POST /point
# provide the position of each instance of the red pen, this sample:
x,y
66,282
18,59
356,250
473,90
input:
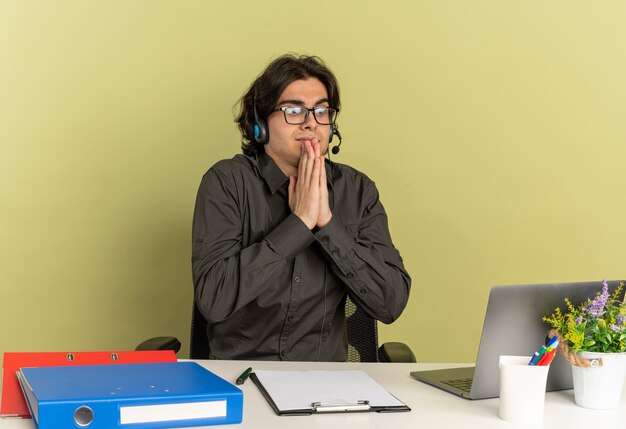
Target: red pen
x,y
547,358
551,358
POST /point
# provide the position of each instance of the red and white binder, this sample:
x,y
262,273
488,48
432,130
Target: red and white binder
x,y
13,403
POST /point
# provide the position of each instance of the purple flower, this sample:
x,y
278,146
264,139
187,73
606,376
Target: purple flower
x,y
620,319
578,320
616,328
596,307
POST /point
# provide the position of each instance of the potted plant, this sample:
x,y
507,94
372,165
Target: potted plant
x,y
593,338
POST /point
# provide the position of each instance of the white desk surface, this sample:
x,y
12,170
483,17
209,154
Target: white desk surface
x,y
431,407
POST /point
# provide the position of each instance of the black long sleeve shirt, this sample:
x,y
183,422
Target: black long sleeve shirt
x,y
272,289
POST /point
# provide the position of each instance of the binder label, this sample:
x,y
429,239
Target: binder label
x,y
172,412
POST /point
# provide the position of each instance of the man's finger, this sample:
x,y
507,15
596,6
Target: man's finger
x,y
322,181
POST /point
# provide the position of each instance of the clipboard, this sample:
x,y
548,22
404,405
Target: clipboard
x,y
292,393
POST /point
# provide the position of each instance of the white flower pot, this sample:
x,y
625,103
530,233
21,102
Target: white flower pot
x,y
600,387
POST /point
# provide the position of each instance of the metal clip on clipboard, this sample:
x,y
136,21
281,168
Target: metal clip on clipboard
x,y
336,407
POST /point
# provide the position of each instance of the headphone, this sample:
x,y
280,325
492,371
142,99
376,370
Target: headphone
x,y
334,130
262,134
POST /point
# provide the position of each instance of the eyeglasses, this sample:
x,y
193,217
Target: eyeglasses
x,y
297,115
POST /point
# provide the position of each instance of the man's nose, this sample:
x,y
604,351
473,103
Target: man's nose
x,y
310,123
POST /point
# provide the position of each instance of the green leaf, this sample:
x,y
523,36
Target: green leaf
x,y
588,342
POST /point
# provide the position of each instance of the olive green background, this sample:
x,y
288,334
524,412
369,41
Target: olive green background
x,y
495,131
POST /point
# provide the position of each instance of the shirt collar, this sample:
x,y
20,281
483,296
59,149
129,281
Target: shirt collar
x,y
271,173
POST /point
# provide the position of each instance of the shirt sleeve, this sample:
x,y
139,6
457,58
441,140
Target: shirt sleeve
x,y
226,275
364,258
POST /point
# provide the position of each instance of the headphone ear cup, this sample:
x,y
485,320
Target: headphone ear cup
x,y
260,131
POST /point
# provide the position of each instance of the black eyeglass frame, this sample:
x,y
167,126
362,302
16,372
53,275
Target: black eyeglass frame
x,y
306,115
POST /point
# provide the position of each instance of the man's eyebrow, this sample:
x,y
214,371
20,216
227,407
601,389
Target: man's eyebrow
x,y
301,103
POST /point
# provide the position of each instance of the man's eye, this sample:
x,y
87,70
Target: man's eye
x,y
321,111
294,110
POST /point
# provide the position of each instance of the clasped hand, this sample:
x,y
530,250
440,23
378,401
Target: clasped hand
x,y
308,192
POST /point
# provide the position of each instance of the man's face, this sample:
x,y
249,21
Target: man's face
x,y
286,139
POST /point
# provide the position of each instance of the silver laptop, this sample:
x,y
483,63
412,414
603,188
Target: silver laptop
x,y
513,326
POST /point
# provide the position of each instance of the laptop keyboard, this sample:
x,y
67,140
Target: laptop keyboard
x,y
464,384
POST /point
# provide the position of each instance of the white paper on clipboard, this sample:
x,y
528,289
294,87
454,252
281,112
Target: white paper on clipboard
x,y
298,390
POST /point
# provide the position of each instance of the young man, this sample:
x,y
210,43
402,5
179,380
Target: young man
x,y
281,235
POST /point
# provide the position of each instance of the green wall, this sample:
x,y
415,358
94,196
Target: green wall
x,y
495,131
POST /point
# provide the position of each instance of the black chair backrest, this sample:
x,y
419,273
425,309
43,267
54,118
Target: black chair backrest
x,y
361,329
362,334
198,342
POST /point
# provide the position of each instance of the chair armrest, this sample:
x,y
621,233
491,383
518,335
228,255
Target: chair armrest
x,y
396,352
160,343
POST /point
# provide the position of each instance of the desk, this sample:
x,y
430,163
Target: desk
x,y
431,407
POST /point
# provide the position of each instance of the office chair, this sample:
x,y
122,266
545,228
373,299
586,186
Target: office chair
x,y
363,339
361,329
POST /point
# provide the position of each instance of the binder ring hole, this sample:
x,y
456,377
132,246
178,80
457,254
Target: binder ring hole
x,y
83,416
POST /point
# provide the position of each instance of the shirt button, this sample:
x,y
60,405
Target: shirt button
x,y
296,279
363,290
350,275
324,239
289,318
283,353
